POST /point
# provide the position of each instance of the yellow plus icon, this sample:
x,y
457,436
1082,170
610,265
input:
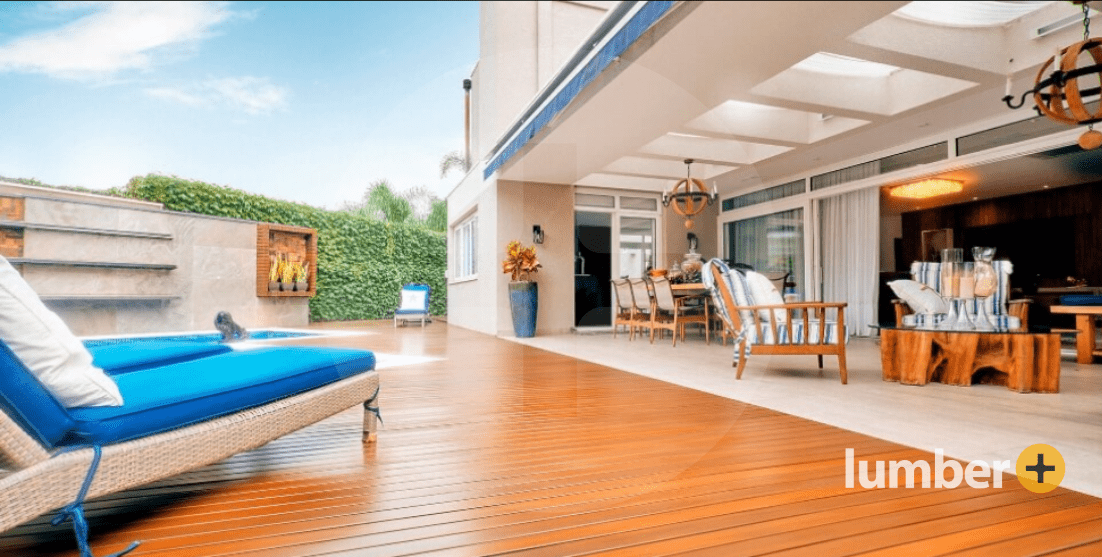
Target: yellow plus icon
x,y
1040,468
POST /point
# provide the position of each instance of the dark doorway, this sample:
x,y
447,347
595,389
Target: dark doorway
x,y
592,269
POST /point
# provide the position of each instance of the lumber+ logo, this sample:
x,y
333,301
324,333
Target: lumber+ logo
x,y
1040,468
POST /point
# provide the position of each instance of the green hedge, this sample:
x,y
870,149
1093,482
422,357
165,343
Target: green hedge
x,y
362,262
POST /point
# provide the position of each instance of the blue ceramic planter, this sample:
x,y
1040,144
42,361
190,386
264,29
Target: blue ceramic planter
x,y
524,301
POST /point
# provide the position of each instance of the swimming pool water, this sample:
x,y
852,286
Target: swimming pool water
x,y
208,337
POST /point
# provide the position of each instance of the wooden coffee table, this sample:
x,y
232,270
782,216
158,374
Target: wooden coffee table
x,y
1024,360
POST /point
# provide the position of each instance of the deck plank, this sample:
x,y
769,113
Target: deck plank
x,y
500,448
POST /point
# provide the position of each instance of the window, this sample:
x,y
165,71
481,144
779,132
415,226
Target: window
x,y
593,200
465,237
761,196
769,243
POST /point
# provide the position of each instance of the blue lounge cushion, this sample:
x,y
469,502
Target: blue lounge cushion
x,y
164,398
1080,300
118,358
29,404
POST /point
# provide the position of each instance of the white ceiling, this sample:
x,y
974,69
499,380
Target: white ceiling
x,y
760,91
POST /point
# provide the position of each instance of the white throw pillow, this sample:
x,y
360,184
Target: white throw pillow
x,y
765,293
46,346
413,300
920,297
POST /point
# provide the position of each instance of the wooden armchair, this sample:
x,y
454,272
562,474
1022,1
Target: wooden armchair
x,y
1009,313
805,329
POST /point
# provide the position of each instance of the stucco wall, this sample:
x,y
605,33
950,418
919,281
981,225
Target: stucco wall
x,y
520,206
472,303
214,259
522,45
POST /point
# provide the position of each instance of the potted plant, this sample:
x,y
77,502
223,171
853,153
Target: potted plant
x,y
287,276
302,273
273,273
520,264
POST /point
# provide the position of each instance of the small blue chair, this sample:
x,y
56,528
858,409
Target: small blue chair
x,y
415,304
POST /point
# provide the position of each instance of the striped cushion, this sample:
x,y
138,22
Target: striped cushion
x,y
798,334
931,320
929,273
739,287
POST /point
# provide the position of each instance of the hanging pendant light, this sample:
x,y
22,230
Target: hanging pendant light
x,y
1059,95
689,197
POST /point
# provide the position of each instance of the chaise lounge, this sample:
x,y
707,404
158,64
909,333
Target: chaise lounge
x,y
231,401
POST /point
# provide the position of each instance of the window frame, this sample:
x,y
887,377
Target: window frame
x,y
465,241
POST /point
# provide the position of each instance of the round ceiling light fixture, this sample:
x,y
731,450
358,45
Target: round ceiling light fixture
x,y
928,188
689,196
1059,96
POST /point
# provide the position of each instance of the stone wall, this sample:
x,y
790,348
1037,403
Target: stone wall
x,y
116,266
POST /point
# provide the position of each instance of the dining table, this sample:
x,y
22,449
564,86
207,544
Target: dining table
x,y
689,289
1085,345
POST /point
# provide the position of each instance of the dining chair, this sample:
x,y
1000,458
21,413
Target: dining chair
x,y
625,307
672,313
642,305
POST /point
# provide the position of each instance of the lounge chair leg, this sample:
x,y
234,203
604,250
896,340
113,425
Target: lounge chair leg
x,y
820,361
741,359
842,366
371,420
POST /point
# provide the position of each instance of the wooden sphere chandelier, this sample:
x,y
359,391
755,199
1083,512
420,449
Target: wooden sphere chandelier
x,y
1059,95
689,197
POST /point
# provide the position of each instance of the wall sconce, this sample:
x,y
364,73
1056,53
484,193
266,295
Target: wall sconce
x,y
537,234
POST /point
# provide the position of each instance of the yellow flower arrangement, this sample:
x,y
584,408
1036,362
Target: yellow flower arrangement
x,y
520,261
273,270
302,271
287,272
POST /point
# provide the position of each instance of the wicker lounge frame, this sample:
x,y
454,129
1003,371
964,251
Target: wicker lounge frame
x,y
34,481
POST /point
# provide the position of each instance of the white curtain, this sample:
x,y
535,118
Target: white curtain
x,y
850,239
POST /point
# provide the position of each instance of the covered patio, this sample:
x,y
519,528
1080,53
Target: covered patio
x,y
491,446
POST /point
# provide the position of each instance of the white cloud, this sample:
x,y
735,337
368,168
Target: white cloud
x,y
176,95
254,95
114,36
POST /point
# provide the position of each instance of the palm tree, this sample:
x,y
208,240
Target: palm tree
x,y
453,160
380,202
437,218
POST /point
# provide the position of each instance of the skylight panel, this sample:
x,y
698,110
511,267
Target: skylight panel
x,y
967,14
836,64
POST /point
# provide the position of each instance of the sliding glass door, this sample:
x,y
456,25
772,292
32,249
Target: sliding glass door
x,y
769,243
636,246
614,236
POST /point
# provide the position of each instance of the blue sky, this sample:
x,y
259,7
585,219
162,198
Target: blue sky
x,y
306,101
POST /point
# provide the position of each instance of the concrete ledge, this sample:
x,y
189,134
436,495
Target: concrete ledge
x,y
82,230
96,264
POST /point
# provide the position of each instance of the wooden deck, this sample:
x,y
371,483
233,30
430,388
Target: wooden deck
x,y
501,448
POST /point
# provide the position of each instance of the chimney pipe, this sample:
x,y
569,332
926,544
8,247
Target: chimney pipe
x,y
467,125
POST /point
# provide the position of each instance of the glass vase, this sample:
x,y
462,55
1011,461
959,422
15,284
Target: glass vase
x,y
986,282
965,297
